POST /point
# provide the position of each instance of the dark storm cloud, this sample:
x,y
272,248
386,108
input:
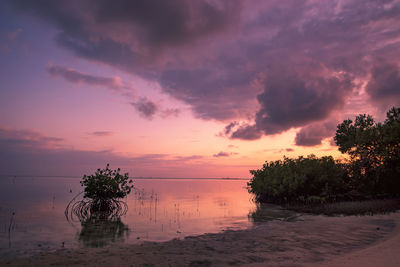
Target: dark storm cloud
x,y
165,22
384,85
126,32
293,99
312,135
145,107
221,57
77,77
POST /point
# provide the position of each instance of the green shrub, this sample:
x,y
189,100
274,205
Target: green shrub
x,y
305,179
106,184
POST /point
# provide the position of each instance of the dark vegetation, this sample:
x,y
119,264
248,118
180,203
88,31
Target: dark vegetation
x,y
102,193
371,172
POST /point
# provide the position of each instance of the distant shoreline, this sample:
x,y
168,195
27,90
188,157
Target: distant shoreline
x,y
134,178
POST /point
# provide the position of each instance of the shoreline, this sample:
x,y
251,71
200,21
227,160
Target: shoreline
x,y
308,241
384,252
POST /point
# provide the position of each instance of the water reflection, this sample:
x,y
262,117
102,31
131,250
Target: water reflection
x,y
159,211
101,222
98,232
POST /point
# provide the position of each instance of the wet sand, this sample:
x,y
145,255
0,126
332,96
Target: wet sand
x,y
306,241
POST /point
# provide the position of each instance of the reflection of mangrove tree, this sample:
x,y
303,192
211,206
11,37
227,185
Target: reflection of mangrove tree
x,y
372,171
100,232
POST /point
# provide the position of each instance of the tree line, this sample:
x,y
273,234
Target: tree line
x,y
372,170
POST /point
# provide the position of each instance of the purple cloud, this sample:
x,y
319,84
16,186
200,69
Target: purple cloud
x,y
271,65
24,152
224,154
28,139
384,85
101,133
77,77
313,134
170,112
247,132
221,154
145,107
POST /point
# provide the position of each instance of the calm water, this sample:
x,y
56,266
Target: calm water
x,y
32,213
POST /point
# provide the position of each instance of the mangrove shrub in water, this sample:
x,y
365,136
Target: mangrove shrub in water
x,y
102,191
105,187
106,184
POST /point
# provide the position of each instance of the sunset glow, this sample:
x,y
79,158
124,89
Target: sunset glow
x,y
193,89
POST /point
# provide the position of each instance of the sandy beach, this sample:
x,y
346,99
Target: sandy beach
x,y
385,252
305,241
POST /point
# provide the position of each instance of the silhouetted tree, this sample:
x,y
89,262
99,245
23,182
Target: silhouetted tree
x,y
374,149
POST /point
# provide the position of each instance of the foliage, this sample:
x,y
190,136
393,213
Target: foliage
x,y
373,170
374,149
106,184
305,179
100,201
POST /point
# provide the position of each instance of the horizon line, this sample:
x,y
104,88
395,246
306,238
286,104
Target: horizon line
x,y
138,178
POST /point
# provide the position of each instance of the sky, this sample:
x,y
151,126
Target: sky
x,y
178,88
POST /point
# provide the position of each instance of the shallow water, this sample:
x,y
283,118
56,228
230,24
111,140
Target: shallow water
x,y
32,213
